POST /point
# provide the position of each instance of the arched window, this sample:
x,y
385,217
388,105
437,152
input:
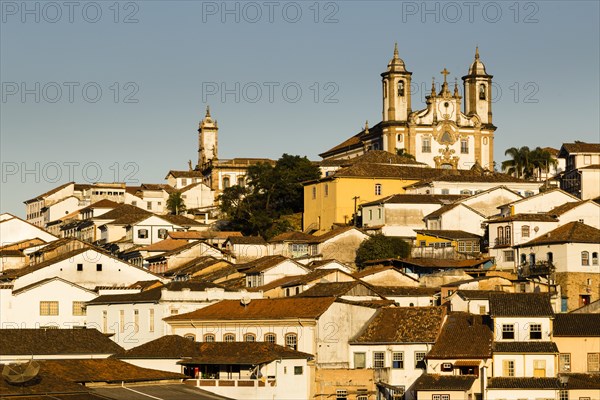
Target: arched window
x,y
500,238
465,191
190,336
209,338
291,341
249,337
594,258
384,89
507,234
226,182
401,88
482,92
270,338
525,231
229,337
531,259
240,181
585,258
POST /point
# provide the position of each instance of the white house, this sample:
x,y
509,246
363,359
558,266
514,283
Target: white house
x,y
457,216
137,318
14,229
396,340
582,171
270,268
539,203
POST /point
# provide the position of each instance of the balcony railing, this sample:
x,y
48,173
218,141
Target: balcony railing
x,y
234,382
503,241
537,269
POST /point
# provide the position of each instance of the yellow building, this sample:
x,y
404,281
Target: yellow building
x,y
461,241
334,199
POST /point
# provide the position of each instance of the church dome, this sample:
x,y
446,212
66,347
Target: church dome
x,y
477,67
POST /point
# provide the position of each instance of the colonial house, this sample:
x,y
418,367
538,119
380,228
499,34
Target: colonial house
x,y
242,249
582,171
315,325
402,214
523,326
457,216
386,275
539,203
410,296
569,254
394,344
296,284
577,337
340,244
293,245
235,369
486,202
267,269
461,242
137,317
459,359
181,256
14,229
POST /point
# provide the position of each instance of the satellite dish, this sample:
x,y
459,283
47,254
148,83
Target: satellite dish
x,y
245,301
18,373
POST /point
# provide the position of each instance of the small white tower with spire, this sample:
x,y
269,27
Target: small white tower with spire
x,y
396,90
208,134
478,91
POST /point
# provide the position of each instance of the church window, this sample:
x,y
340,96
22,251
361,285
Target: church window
x,y
240,181
377,189
482,92
426,145
401,88
385,89
226,182
400,138
464,146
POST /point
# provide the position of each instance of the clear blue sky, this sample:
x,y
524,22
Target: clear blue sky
x,y
171,57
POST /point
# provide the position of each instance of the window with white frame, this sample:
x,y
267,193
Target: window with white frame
x,y
525,231
509,255
360,360
594,258
426,145
564,362
420,359
378,189
508,331
142,234
464,146
378,359
79,308
48,307
209,338
229,337
270,338
440,397
249,337
535,331
593,362
563,395
585,258
508,368
398,360
162,233
291,341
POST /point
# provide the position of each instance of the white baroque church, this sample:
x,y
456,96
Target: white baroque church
x,y
441,135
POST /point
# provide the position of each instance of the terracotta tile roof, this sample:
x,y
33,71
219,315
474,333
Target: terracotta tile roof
x,y
276,283
180,220
406,291
313,276
560,210
174,346
179,250
165,245
194,266
525,347
417,199
541,217
523,383
292,237
256,240
375,269
593,166
583,381
15,273
262,264
121,211
104,203
336,289
402,325
44,281
153,295
372,157
55,342
108,370
185,174
198,235
474,294
579,147
49,192
442,263
445,208
467,176
572,232
281,308
449,234
333,233
354,141
387,171
520,305
463,336
579,324
444,382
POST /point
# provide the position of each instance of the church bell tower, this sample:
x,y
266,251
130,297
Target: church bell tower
x,y
478,91
208,133
396,90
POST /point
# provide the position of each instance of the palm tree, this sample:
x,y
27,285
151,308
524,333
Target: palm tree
x,y
176,203
519,164
542,160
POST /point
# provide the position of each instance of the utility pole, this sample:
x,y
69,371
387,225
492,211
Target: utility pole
x,y
355,208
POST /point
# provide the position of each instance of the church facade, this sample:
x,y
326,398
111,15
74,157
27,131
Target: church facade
x,y
442,135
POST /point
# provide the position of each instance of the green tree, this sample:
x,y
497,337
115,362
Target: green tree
x,y
176,203
518,165
270,192
404,153
541,161
379,247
